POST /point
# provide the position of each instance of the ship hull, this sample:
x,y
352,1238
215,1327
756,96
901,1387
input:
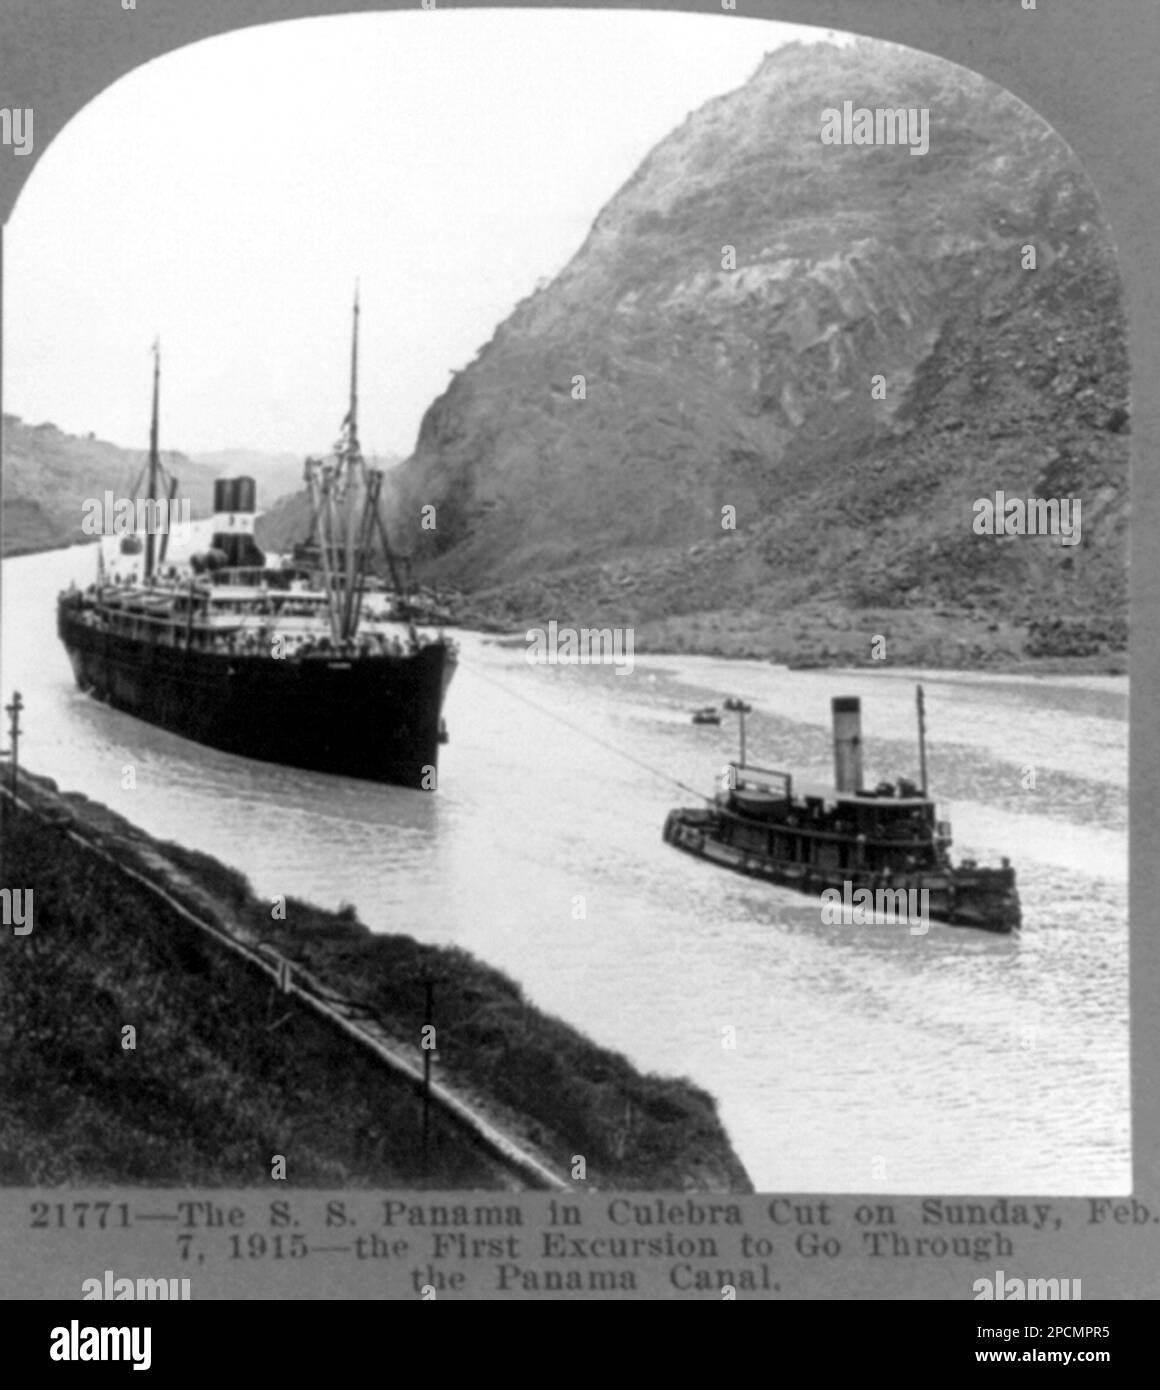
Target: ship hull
x,y
375,717
960,897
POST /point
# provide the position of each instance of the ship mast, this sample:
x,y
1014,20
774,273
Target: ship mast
x,y
154,462
921,706
352,461
344,496
351,421
336,491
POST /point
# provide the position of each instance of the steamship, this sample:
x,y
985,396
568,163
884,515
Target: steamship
x,y
846,837
313,662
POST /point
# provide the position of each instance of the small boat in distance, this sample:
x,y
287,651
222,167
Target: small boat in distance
x,y
846,842
707,714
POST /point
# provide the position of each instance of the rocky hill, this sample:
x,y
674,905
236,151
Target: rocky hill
x,y
708,387
47,475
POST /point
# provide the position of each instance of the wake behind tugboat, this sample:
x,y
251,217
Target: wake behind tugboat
x,y
313,663
883,846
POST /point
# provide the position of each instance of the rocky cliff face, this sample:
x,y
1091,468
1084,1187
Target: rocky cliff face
x,y
708,387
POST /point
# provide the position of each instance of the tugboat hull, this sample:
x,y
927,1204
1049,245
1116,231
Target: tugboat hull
x,y
372,717
960,897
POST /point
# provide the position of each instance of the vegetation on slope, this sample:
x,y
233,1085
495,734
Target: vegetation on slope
x,y
227,1074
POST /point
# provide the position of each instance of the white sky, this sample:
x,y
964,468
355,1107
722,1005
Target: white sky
x,y
227,195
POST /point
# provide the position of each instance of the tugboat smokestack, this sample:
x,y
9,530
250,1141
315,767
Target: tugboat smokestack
x,y
847,712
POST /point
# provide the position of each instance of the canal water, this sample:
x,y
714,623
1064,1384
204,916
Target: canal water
x,y
843,1058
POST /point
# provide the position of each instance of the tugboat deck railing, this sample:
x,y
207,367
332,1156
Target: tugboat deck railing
x,y
807,832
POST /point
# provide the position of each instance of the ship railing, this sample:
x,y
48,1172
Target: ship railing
x,y
806,831
237,639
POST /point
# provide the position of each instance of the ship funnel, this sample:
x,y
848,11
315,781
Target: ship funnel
x,y
847,711
234,503
245,495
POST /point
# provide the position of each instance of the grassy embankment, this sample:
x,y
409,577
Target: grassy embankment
x,y
226,1072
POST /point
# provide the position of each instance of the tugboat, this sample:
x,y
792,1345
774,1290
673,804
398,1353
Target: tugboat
x,y
315,665
846,838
